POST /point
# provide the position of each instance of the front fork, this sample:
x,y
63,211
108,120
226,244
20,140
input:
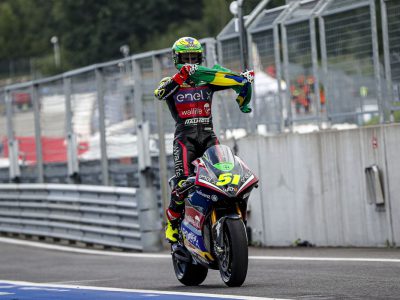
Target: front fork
x,y
214,214
218,228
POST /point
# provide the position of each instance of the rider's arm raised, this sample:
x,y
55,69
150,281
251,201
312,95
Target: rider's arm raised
x,y
168,85
166,88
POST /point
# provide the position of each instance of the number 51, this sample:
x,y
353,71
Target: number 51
x,y
227,178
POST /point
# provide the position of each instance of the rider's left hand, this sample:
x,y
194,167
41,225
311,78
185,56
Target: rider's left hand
x,y
249,75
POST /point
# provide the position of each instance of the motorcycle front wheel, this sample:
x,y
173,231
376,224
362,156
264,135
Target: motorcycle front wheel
x,y
188,273
233,261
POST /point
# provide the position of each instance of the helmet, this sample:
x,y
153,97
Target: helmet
x,y
187,45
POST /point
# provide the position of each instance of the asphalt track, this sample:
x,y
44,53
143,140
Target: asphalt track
x,y
30,272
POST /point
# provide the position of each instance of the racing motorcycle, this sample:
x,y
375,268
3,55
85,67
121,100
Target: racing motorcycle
x,y
212,234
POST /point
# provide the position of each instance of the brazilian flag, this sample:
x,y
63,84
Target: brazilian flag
x,y
221,76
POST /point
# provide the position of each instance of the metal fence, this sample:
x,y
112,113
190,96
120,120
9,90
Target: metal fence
x,y
266,57
352,67
300,62
390,13
327,53
317,63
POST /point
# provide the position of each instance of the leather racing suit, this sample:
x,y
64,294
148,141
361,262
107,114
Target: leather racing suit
x,y
190,106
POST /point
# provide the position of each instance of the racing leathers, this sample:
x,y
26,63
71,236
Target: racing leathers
x,y
190,106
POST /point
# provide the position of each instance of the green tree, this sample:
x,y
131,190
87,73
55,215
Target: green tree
x,y
105,25
25,30
91,31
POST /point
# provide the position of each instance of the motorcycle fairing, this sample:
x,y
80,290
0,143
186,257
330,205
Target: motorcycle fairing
x,y
220,176
223,172
196,208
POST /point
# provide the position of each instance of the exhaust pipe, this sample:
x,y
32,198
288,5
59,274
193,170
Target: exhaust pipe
x,y
181,254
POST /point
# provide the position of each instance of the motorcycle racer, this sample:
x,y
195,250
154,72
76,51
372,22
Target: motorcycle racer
x,y
190,106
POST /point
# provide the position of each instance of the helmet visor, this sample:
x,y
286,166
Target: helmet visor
x,y
190,58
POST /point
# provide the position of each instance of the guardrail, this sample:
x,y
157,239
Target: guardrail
x,y
106,216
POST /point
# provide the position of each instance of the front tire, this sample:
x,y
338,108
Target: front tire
x,y
188,273
234,260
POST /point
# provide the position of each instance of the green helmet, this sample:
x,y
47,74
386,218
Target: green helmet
x,y
187,45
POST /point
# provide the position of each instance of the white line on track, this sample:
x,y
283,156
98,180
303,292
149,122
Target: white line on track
x,y
95,288
153,255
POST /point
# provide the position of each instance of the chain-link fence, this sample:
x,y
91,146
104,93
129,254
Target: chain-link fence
x,y
316,61
350,57
52,118
390,11
300,62
13,69
228,46
263,36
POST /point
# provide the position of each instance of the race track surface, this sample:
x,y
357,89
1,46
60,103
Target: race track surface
x,y
287,273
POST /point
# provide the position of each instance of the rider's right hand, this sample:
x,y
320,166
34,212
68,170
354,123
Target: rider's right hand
x,y
184,73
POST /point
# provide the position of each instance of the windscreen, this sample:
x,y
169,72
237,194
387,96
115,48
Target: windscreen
x,y
224,172
220,157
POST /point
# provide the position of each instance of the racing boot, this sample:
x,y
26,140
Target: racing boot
x,y
173,222
175,210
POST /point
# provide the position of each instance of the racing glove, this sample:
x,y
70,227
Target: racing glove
x,y
244,97
184,73
249,75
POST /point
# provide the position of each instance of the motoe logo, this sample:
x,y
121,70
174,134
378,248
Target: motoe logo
x,y
193,94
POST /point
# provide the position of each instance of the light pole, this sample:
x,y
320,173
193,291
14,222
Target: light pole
x,y
124,50
236,8
56,47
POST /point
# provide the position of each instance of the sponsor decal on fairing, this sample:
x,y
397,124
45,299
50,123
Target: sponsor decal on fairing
x,y
194,217
246,183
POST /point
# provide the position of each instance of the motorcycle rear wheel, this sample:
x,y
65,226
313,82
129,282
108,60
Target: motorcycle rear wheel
x,y
188,273
233,262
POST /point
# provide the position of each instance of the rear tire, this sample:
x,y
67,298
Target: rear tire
x,y
234,261
188,273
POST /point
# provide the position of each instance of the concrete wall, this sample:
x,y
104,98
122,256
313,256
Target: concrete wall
x,y
313,187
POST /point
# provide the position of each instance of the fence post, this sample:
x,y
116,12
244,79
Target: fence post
x,y
38,132
289,120
73,166
386,55
102,125
278,65
149,216
278,68
242,37
285,51
377,69
14,169
324,64
162,156
211,60
314,58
